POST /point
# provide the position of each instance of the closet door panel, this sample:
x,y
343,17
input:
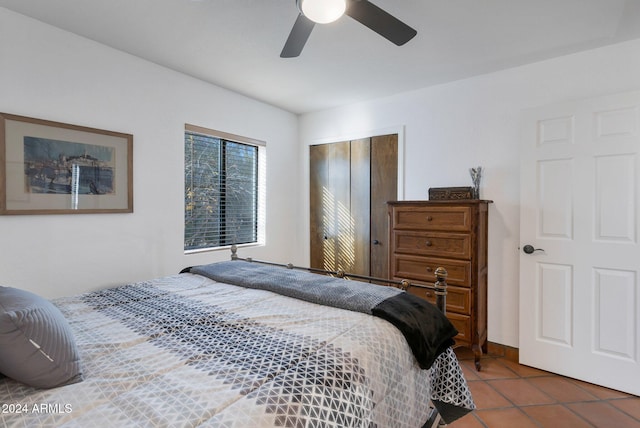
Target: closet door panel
x,y
329,203
337,199
360,207
384,188
318,178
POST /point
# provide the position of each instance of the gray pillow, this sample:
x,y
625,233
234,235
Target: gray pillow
x,y
36,343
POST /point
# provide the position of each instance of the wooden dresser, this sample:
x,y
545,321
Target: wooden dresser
x,y
453,234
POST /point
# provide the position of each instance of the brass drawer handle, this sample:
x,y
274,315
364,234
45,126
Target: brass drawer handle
x,y
428,243
429,218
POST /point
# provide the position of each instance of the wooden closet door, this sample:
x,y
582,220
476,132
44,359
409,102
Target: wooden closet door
x,y
329,204
384,188
317,179
350,184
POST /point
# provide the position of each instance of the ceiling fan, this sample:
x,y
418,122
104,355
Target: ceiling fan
x,y
325,11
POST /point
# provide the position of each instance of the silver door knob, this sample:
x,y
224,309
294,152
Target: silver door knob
x,y
528,249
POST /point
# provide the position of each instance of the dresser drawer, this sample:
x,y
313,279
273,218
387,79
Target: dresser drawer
x,y
446,218
456,245
458,298
462,323
423,268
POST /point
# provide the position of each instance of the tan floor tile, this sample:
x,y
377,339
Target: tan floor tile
x,y
554,416
505,418
523,371
562,389
603,415
521,392
630,406
486,397
600,391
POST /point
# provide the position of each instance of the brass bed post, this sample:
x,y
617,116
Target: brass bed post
x,y
441,289
234,252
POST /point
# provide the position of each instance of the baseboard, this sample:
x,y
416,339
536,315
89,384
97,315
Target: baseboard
x,y
499,350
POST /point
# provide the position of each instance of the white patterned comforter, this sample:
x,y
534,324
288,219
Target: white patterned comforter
x,y
185,351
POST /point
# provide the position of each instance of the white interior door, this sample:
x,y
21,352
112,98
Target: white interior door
x,y
579,293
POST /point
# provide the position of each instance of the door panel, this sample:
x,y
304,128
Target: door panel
x,y
317,178
360,210
615,209
615,313
555,303
330,200
580,189
555,202
384,188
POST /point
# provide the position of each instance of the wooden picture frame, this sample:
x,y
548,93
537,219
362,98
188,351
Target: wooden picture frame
x,y
50,167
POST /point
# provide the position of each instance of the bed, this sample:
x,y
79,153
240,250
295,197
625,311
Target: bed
x,y
237,344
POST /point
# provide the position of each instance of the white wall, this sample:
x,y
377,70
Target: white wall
x,y
51,74
452,127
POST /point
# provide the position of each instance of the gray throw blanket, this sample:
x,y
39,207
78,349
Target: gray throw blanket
x,y
324,290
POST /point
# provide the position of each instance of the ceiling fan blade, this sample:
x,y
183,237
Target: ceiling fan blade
x,y
297,37
381,22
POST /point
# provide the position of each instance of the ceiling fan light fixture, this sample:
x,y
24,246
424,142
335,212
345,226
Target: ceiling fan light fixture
x,y
322,11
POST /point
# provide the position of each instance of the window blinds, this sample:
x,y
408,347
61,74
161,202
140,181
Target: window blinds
x,y
221,192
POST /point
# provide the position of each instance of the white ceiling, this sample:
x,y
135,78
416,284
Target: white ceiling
x,y
236,44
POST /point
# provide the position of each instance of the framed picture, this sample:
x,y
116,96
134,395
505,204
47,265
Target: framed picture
x,y
56,168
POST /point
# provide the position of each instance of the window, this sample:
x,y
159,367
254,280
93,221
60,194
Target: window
x,y
223,201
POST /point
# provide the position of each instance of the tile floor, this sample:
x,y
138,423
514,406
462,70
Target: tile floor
x,y
514,396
